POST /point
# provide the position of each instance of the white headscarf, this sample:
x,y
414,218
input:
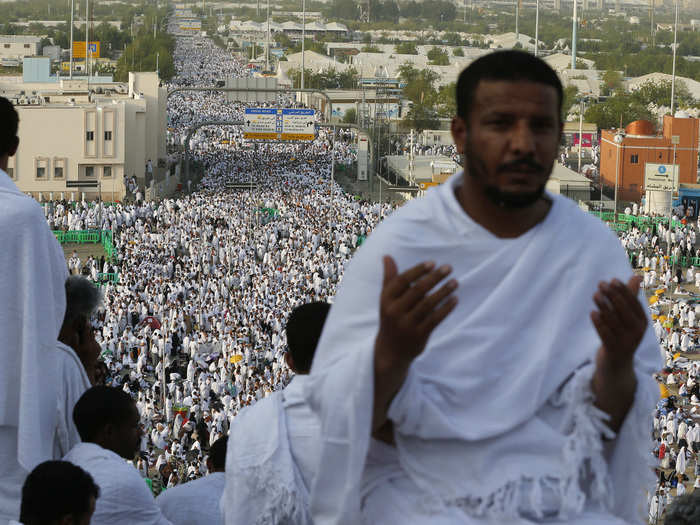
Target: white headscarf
x,y
32,294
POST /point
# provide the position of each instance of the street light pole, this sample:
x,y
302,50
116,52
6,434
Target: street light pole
x,y
618,144
580,133
303,39
673,73
72,12
537,27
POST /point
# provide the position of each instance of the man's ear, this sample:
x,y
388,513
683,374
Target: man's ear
x,y
290,361
458,128
13,148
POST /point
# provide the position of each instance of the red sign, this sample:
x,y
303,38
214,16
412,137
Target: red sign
x,y
587,140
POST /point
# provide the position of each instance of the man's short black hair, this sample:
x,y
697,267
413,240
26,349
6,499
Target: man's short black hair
x,y
99,406
685,510
9,122
303,329
55,489
506,66
217,453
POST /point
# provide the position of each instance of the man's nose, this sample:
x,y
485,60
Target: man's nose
x,y
522,139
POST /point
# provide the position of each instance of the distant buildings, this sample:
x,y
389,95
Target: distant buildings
x,y
72,131
639,145
13,48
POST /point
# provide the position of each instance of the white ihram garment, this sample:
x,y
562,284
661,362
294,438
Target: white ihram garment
x,y
264,482
195,502
33,303
484,429
125,499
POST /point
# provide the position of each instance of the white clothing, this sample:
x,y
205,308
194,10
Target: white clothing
x,y
303,428
491,446
74,383
32,295
263,483
124,496
195,502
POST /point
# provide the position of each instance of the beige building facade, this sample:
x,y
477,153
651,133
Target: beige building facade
x,y
16,47
98,135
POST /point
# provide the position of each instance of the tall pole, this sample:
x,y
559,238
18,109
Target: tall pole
x,y
673,73
267,45
517,20
651,16
617,173
580,133
72,13
573,37
537,27
303,39
87,40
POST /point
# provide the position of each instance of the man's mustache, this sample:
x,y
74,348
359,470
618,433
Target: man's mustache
x,y
526,165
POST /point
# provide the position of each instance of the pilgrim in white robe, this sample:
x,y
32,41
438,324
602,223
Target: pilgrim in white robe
x,y
33,303
269,469
125,499
74,382
195,502
495,418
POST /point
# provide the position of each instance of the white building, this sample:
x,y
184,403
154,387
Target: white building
x,y
16,47
71,133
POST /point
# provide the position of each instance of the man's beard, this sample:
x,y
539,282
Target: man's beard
x,y
504,199
510,200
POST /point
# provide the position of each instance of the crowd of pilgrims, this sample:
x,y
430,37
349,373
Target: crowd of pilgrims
x,y
207,280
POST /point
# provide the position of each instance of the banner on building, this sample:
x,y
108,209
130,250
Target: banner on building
x,y
79,49
660,177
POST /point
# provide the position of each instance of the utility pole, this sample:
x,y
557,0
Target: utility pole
x,y
303,39
537,27
517,20
267,45
673,73
87,41
72,12
573,37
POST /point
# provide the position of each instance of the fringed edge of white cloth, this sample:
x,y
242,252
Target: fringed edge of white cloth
x,y
583,462
283,504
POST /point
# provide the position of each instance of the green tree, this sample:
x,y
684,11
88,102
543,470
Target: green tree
x,y
421,117
346,9
371,49
350,116
611,82
458,52
406,48
420,84
570,94
618,110
438,57
660,93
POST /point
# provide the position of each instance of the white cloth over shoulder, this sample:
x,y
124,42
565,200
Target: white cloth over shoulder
x,y
73,384
33,298
520,330
195,502
263,484
124,496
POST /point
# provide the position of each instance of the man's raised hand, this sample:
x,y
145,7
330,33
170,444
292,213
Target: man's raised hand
x,y
409,312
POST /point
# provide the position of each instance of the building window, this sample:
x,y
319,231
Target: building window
x,y
58,172
634,159
7,46
107,171
89,135
89,171
108,135
41,172
26,46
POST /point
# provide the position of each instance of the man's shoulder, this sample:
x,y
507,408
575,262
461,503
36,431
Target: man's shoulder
x,y
197,487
